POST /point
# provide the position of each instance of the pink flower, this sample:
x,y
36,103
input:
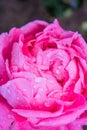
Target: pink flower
x,y
43,78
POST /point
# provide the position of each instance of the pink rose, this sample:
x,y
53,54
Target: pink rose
x,y
43,78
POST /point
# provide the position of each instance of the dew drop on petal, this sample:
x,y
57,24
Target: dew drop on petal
x,y
57,72
37,80
9,116
35,86
25,89
41,89
9,91
33,103
47,104
18,98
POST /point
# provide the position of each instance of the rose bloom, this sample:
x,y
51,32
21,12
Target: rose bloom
x,y
43,78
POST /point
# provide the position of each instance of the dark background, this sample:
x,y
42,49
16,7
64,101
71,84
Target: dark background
x,y
19,12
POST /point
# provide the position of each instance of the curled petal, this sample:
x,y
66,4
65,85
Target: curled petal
x,y
33,27
39,114
61,120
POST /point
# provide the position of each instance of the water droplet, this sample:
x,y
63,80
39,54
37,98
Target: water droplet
x,y
35,86
18,98
33,102
47,103
8,91
25,89
41,89
57,72
38,80
9,116
71,69
38,96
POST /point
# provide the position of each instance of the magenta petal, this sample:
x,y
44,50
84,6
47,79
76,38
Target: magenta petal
x,y
17,92
6,116
61,120
39,114
74,127
21,125
4,54
34,27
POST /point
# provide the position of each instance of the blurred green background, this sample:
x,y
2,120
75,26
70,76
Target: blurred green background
x,y
72,14
62,8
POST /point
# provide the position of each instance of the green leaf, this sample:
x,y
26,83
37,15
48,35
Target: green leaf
x,y
84,26
56,8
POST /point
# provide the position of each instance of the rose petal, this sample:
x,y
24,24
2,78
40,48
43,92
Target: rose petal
x,y
73,101
73,75
81,45
54,29
39,114
17,92
61,120
33,27
4,49
3,74
17,58
73,126
6,116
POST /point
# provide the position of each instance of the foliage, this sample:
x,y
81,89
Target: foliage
x,y
56,8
